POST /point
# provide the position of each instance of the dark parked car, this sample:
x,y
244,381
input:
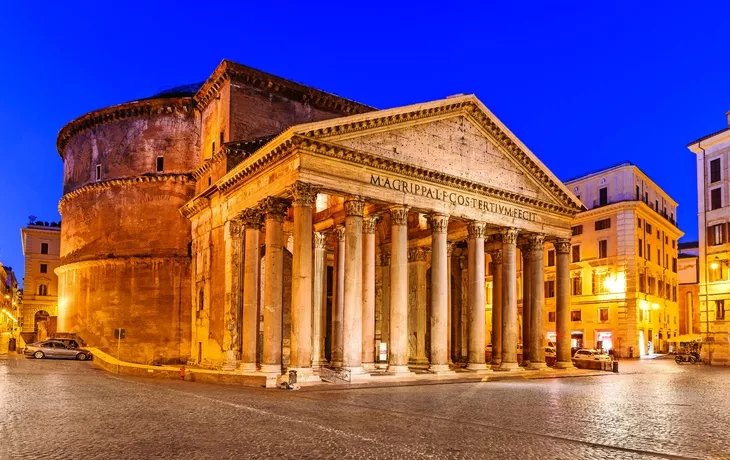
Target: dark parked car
x,y
55,349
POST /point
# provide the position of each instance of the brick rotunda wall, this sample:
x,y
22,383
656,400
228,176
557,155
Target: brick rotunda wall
x,y
124,245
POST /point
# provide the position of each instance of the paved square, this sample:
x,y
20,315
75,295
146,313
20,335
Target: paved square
x,y
652,409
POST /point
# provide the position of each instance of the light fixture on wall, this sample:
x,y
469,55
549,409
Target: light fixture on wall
x,y
715,264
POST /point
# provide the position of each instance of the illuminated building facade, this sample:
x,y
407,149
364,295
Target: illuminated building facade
x,y
624,280
41,243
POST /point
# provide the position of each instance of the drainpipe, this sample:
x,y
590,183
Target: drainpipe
x,y
707,274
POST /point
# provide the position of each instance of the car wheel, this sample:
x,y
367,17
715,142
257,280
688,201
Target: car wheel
x,y
81,357
38,355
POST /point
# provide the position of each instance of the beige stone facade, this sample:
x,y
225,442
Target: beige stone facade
x,y
624,260
713,195
41,249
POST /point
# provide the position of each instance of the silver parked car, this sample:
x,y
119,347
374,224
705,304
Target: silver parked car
x,y
55,349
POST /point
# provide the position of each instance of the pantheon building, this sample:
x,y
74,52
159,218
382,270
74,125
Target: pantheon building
x,y
254,224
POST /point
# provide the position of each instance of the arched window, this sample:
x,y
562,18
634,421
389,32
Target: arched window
x,y
42,289
201,299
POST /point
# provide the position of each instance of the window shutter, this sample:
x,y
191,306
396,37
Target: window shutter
x,y
724,233
710,236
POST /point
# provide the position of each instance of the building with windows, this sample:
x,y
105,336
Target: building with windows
x,y
41,243
10,304
713,195
624,263
689,289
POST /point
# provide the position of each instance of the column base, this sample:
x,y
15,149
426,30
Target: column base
x,y
273,369
228,367
509,367
477,367
358,373
564,365
304,374
440,369
320,363
401,370
496,362
525,363
335,364
247,367
536,366
369,366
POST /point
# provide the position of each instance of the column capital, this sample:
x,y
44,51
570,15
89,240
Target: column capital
x,y
234,228
399,214
418,254
476,229
509,235
384,259
449,248
537,242
274,208
339,233
439,223
369,223
562,246
496,256
303,193
251,218
525,248
319,240
354,207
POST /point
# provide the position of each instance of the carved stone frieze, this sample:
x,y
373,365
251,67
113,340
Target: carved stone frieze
x,y
399,214
303,193
476,229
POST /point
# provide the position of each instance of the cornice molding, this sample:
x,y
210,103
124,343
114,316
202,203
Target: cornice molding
x,y
111,183
194,206
116,261
132,109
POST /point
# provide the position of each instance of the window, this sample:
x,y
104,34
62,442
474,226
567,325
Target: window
x,y
210,180
576,285
638,221
716,234
98,172
549,289
599,283
674,243
223,138
716,198
718,273
647,227
603,224
575,315
551,317
160,164
642,282
44,268
719,310
666,260
42,289
576,253
660,287
603,249
648,252
668,291
674,264
641,247
551,258
603,196
201,300
646,197
651,285
44,248
659,256
638,193
603,314
212,149
656,205
642,315
577,230
715,170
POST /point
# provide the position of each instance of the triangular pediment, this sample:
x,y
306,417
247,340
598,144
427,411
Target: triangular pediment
x,y
457,136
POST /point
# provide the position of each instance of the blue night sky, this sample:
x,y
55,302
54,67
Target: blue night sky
x,y
584,84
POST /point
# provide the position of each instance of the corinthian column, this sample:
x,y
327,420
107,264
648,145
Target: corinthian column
x,y
233,247
537,294
275,211
526,252
496,306
449,314
398,354
301,311
368,292
352,320
339,297
509,300
439,295
252,220
477,318
319,298
562,305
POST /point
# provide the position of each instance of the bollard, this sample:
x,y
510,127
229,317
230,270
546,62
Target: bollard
x,y
615,366
182,372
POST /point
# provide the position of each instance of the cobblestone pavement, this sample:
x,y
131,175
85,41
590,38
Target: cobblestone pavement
x,y
652,409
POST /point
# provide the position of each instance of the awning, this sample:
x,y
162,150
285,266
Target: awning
x,y
686,338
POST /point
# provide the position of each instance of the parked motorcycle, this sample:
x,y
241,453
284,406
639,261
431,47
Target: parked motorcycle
x,y
692,357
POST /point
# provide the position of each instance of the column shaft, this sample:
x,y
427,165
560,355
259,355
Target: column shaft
x,y
319,300
252,219
497,306
233,267
352,319
562,304
525,251
477,318
273,284
537,294
509,300
439,295
338,309
398,353
368,293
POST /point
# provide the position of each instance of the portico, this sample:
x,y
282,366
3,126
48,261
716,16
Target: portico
x,y
404,187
